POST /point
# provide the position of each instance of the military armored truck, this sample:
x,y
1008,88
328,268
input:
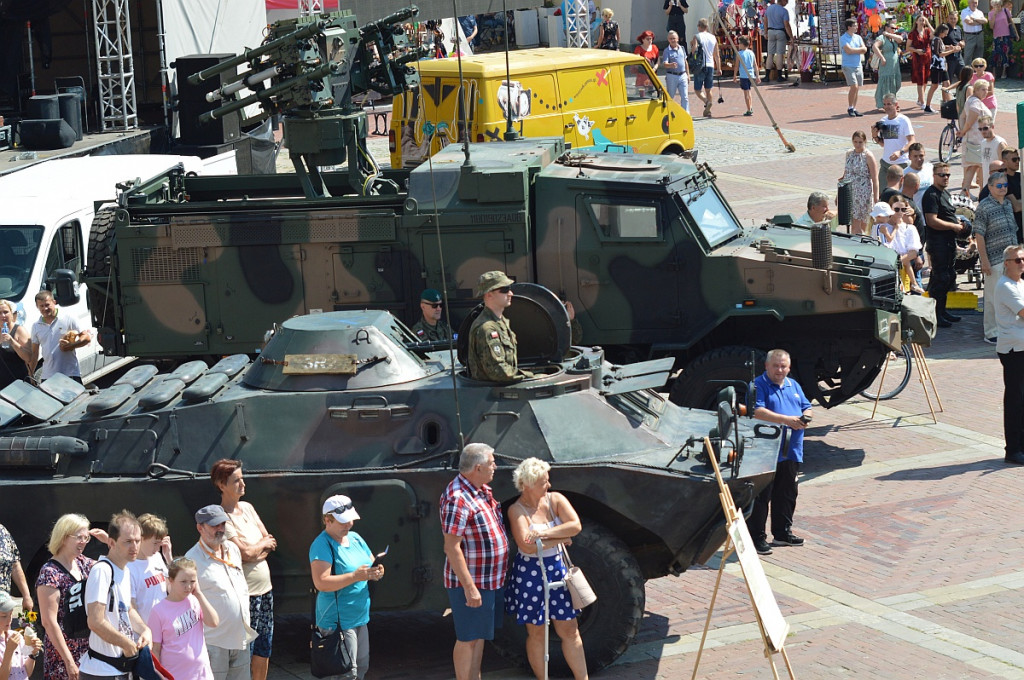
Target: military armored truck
x,y
645,247
339,403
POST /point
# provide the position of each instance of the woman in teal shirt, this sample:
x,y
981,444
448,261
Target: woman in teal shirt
x,y
340,560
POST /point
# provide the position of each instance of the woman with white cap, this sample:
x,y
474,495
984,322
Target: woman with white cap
x,y
18,652
341,563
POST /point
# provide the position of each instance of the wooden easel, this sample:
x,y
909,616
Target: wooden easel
x,y
774,629
923,373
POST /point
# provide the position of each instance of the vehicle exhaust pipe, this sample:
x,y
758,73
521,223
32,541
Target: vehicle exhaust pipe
x,y
38,452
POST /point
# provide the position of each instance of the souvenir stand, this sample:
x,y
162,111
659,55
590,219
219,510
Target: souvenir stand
x,y
743,18
819,26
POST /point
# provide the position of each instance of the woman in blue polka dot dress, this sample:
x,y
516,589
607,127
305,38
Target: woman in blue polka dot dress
x,y
552,518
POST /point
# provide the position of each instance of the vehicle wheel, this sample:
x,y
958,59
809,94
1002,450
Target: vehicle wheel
x,y
609,625
101,256
947,143
897,375
701,380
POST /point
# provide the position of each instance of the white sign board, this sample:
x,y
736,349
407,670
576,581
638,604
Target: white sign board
x,y
775,625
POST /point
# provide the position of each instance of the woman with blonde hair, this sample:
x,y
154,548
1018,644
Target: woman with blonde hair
x,y
15,346
68,566
608,37
974,109
550,517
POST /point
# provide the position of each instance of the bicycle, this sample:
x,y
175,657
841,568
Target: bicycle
x,y
900,364
949,143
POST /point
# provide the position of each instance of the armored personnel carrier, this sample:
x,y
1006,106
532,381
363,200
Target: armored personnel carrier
x,y
346,402
646,248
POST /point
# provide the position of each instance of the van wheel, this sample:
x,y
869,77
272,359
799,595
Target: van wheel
x,y
701,380
672,150
101,262
609,625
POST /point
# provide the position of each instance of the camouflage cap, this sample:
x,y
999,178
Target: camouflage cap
x,y
490,281
430,295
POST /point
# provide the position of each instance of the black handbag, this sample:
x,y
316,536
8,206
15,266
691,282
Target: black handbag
x,y
328,654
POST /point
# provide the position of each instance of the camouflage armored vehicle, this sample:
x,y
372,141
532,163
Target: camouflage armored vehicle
x,y
645,247
338,403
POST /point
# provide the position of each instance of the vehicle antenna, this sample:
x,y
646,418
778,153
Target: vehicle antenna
x,y
444,292
510,134
463,113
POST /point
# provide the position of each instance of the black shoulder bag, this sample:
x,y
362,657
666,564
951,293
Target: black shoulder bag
x,y
328,654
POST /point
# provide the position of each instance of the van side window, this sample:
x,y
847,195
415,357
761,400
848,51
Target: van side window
x,y
618,221
66,249
638,83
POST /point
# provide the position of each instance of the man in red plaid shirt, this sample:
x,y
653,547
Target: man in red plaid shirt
x,y
476,555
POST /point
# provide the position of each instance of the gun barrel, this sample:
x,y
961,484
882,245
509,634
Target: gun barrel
x,y
249,55
264,95
400,15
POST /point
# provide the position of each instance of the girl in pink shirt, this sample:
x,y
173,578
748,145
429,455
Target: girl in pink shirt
x,y
177,624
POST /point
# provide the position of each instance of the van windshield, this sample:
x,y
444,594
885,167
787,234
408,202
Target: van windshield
x,y
710,215
18,248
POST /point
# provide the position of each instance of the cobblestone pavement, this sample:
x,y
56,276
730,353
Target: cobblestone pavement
x,y
914,562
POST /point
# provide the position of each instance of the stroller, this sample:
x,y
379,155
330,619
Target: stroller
x,y
967,260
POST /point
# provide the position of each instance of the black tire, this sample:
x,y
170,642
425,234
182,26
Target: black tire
x,y
900,365
701,380
609,625
101,258
947,143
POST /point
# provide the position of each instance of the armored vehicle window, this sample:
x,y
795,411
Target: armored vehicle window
x,y
713,219
18,247
623,221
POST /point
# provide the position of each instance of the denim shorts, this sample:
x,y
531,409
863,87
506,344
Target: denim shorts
x,y
477,623
705,79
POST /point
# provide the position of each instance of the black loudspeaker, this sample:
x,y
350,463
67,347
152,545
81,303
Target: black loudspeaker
x,y
71,112
844,203
46,134
192,102
43,107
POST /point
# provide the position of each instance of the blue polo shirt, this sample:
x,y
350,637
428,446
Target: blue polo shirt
x,y
855,42
787,399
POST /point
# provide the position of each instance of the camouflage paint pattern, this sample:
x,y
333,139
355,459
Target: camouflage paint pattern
x,y
645,247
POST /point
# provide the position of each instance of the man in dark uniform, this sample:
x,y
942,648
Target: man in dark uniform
x,y
492,344
431,327
943,227
676,11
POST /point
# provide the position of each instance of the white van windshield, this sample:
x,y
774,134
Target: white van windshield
x,y
18,248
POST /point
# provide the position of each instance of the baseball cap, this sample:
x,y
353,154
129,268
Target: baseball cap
x,y
341,507
430,295
211,515
491,281
881,209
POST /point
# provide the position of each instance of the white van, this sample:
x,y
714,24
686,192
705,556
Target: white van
x,y
46,211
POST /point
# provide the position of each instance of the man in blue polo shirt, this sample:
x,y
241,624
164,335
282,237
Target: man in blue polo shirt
x,y
780,400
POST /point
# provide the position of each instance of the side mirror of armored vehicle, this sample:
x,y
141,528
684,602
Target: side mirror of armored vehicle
x,y
65,289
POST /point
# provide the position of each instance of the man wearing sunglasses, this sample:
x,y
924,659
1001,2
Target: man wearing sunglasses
x,y
1011,161
991,147
994,229
1009,306
943,227
431,327
493,353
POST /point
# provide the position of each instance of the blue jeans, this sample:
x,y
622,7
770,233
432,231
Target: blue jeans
x,y
677,84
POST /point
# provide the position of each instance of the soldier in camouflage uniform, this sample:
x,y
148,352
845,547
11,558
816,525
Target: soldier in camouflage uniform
x,y
492,344
430,327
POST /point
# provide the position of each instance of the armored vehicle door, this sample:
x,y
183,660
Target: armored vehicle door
x,y
66,251
627,262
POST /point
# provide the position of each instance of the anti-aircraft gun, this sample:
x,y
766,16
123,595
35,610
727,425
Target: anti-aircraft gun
x,y
314,65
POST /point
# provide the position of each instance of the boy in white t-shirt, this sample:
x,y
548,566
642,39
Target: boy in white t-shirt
x,y
149,570
117,630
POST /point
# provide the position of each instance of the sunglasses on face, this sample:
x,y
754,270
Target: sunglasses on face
x,y
899,210
435,305
978,66
1001,185
1015,159
504,289
984,128
1018,260
942,174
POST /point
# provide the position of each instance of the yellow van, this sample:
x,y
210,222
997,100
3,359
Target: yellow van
x,y
593,97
